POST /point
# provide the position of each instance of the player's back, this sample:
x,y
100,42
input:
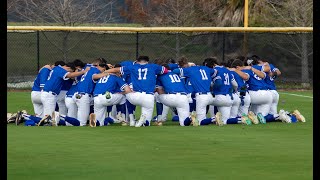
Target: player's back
x,y
143,76
86,83
55,80
241,83
111,83
41,79
200,77
269,80
172,83
255,82
226,77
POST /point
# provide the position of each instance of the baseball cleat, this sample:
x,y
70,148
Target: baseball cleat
x,y
92,120
141,121
18,118
194,120
299,116
284,117
253,117
12,118
121,119
219,121
55,118
45,120
158,123
261,118
245,120
132,120
108,95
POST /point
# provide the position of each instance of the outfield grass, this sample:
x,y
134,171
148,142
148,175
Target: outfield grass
x,y
271,151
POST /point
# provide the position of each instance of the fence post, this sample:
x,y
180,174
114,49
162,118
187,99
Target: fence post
x,y
137,45
38,51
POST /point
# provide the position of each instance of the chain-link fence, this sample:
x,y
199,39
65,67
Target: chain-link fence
x,y
29,51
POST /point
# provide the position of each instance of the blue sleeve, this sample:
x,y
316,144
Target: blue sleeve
x,y
125,70
173,66
44,73
159,69
182,72
121,83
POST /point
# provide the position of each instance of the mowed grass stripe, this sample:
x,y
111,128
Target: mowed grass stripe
x,y
271,151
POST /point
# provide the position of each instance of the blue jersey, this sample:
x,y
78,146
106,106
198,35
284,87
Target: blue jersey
x,y
66,85
270,80
171,83
86,83
55,79
255,82
226,77
72,89
41,79
127,78
241,83
143,76
187,85
111,83
200,77
173,66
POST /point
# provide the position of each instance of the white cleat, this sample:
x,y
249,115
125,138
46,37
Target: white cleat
x,y
141,121
121,119
284,117
132,121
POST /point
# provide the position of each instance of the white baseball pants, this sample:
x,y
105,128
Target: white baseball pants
x,y
37,103
260,101
146,101
180,102
101,103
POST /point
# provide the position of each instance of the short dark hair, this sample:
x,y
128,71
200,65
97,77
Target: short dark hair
x,y
143,58
241,58
182,61
235,63
61,63
78,62
210,62
230,61
117,65
100,60
171,60
159,61
71,65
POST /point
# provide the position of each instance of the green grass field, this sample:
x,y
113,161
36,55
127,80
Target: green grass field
x,y
266,152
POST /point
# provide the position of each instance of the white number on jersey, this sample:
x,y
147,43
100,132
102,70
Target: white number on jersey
x,y
145,71
50,74
83,76
257,77
226,77
203,74
174,78
104,79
